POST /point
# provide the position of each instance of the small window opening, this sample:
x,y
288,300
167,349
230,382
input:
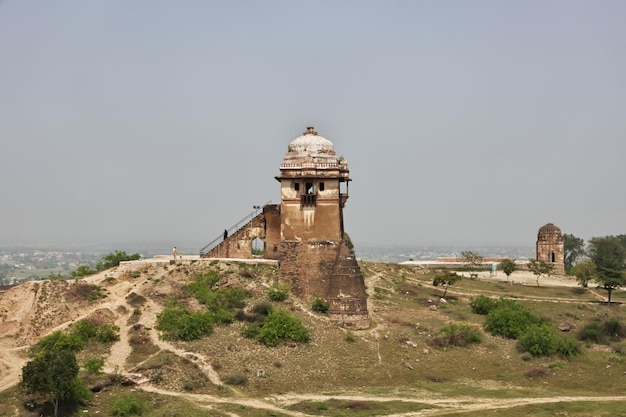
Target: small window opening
x,y
321,186
296,186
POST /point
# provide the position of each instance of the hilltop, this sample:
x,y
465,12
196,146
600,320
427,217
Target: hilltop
x,y
392,368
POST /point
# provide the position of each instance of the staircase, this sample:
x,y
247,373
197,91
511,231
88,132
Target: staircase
x,y
221,247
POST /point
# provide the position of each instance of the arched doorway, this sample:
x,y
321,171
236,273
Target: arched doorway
x,y
258,248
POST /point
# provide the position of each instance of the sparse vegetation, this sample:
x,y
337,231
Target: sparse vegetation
x,y
114,258
460,335
278,292
128,405
320,305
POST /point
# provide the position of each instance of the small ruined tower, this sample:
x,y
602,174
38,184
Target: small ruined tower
x,y
314,258
550,247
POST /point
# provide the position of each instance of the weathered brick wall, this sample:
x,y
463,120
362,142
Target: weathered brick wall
x,y
272,231
311,223
307,267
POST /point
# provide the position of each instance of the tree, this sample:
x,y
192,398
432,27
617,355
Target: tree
x,y
607,252
584,272
508,266
114,259
471,259
609,255
445,280
52,374
540,268
574,248
610,280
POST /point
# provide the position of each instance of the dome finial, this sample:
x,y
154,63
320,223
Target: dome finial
x,y
310,130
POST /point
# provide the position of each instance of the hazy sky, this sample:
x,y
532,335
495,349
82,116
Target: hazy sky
x,y
463,122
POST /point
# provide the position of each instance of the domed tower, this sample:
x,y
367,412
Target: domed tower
x,y
550,247
314,259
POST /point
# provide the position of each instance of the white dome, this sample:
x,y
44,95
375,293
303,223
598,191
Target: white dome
x,y
311,143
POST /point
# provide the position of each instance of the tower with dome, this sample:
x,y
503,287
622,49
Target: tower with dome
x,y
550,247
305,233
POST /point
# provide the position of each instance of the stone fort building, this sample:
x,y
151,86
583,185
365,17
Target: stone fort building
x,y
305,232
551,248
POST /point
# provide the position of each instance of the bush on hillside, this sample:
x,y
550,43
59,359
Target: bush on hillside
x,y
320,305
606,332
221,303
278,292
179,323
128,405
509,319
543,340
483,305
279,326
114,258
457,335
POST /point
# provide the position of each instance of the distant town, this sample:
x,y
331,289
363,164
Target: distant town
x,y
21,264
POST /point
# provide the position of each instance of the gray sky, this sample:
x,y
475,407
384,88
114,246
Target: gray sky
x,y
463,122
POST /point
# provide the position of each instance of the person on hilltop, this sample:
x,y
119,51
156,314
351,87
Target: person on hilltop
x,y
175,252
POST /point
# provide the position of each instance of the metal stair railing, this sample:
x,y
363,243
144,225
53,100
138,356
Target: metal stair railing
x,y
247,218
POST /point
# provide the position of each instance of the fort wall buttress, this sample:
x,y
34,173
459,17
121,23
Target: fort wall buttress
x,y
307,267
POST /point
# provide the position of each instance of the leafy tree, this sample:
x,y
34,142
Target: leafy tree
x,y
114,258
471,259
508,266
610,279
51,373
540,268
584,272
607,252
574,248
609,256
445,280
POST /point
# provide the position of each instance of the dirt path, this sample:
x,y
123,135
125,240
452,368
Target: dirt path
x,y
441,405
11,364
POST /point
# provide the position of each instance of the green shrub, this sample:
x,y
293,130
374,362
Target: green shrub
x,y
221,303
128,405
82,271
279,327
236,379
114,259
543,340
278,292
457,335
86,331
94,365
538,339
483,305
350,337
320,305
179,323
607,332
509,319
107,333
59,341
